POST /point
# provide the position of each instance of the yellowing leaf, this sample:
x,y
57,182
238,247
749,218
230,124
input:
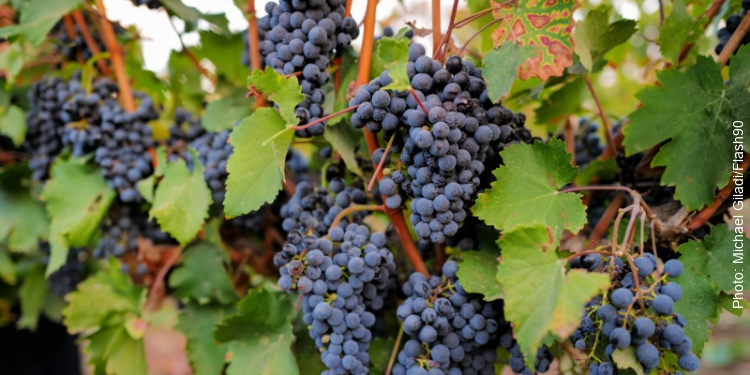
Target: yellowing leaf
x,y
543,24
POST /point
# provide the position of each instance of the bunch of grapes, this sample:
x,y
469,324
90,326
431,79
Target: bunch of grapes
x,y
124,154
314,209
645,321
121,228
342,282
732,23
72,48
447,131
303,37
588,145
67,277
151,4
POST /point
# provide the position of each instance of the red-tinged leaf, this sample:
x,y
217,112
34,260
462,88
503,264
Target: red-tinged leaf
x,y
544,24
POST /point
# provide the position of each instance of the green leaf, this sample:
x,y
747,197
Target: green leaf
x,y
392,54
23,220
545,25
222,114
146,188
561,103
380,352
477,273
215,47
540,297
37,19
203,275
679,29
98,297
625,358
7,268
197,324
714,256
285,92
700,303
13,124
606,169
11,59
693,112
126,355
501,67
259,335
178,187
256,170
595,35
31,296
190,14
527,193
344,140
77,198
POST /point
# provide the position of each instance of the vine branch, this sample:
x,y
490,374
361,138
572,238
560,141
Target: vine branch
x,y
734,42
194,60
71,31
605,122
90,42
115,54
253,44
436,32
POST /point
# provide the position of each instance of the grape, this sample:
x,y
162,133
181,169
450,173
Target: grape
x,y
643,327
622,298
151,4
648,355
689,362
607,313
672,290
663,305
673,334
644,265
673,268
620,338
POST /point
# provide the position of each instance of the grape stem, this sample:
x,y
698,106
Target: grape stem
x,y
394,351
363,77
157,288
253,45
472,18
480,31
630,191
71,31
90,42
355,208
379,169
203,71
115,54
439,53
419,101
326,118
436,32
605,122
587,252
735,40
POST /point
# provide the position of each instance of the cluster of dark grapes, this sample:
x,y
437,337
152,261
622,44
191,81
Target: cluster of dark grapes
x,y
151,4
447,131
343,281
647,323
453,332
67,277
732,23
313,209
303,37
120,230
588,145
214,151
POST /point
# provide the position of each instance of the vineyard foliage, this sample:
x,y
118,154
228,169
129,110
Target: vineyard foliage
x,y
547,186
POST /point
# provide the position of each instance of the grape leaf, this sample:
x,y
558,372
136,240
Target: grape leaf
x,y
477,273
501,66
197,324
392,54
77,198
7,268
561,103
679,28
595,35
101,295
13,124
31,295
259,335
256,170
23,220
543,24
12,59
527,190
625,358
113,352
344,140
540,297
216,47
695,110
348,73
180,185
714,256
186,13
606,169
222,114
285,92
203,276
380,352
37,19
699,304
